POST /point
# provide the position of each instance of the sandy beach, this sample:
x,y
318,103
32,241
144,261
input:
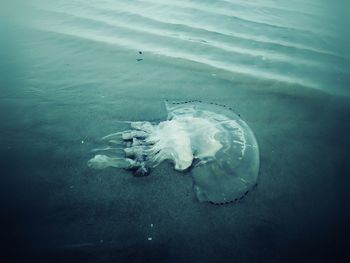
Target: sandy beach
x,y
66,86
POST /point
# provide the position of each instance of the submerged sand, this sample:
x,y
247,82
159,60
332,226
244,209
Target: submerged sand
x,y
298,210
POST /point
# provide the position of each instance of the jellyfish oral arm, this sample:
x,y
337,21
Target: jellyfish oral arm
x,y
101,161
174,144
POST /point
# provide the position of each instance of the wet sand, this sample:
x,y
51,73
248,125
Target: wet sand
x,y
60,210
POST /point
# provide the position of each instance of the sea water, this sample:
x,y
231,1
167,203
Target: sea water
x,y
73,71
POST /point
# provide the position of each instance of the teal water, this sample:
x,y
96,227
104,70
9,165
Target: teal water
x,y
71,70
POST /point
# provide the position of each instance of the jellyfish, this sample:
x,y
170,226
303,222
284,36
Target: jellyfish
x,y
206,140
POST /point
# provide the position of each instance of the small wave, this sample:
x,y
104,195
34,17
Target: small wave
x,y
207,33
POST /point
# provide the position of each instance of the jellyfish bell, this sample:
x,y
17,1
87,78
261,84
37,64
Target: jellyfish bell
x,y
226,148
210,141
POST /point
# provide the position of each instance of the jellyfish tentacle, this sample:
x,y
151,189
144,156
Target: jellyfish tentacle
x,y
119,142
119,134
112,150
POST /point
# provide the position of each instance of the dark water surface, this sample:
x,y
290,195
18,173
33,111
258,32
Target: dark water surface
x,y
74,69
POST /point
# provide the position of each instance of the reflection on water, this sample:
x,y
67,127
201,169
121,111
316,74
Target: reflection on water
x,y
296,42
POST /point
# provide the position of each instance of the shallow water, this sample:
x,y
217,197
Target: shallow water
x,y
71,70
